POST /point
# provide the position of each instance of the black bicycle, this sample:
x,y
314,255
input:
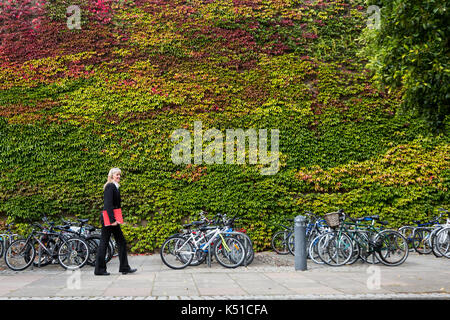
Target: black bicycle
x,y
90,235
280,239
71,253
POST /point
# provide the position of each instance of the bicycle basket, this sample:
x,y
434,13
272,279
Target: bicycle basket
x,y
332,219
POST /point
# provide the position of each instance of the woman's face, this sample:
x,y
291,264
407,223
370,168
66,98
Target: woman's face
x,y
116,177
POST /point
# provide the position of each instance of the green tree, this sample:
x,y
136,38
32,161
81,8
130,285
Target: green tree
x,y
409,50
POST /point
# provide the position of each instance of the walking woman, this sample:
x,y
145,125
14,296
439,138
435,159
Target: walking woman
x,y
111,196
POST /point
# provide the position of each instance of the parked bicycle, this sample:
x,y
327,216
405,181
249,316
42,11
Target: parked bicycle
x,y
418,236
91,235
315,226
7,238
283,241
441,238
71,253
422,236
280,239
179,251
349,241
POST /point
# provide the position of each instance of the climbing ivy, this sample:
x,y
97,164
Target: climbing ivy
x,y
74,103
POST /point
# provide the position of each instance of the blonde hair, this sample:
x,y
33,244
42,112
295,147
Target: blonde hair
x,y
110,176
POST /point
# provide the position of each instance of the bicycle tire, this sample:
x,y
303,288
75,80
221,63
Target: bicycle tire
x,y
391,247
73,253
114,248
93,241
230,252
434,249
2,247
442,242
176,249
408,232
24,250
279,242
366,253
312,250
421,240
248,244
291,243
355,253
335,248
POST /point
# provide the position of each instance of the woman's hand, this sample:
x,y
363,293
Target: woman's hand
x,y
115,223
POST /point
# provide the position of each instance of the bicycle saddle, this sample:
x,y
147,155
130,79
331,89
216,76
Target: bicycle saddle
x,y
83,220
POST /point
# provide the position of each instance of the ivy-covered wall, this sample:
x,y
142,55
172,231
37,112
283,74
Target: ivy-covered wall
x,y
74,103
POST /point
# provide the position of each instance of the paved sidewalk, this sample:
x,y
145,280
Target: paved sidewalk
x,y
270,276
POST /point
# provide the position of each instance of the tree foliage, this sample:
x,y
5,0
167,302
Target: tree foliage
x,y
411,50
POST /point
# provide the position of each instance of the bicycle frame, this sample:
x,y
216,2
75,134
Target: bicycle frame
x,y
34,238
357,234
215,233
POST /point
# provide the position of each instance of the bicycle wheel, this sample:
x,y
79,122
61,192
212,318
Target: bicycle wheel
x,y
313,251
408,232
73,253
114,248
421,240
391,247
335,248
177,252
230,252
442,242
93,242
291,243
2,247
366,251
248,244
19,255
280,242
355,254
368,256
434,249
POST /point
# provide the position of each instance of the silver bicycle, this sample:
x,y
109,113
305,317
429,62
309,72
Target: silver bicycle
x,y
178,252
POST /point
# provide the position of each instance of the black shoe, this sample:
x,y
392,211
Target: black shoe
x,y
129,271
102,274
